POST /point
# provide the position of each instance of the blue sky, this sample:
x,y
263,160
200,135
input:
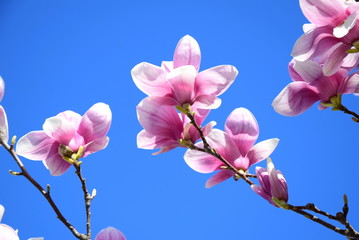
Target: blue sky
x,y
69,55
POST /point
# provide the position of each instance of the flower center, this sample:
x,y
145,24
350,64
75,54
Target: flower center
x,y
70,155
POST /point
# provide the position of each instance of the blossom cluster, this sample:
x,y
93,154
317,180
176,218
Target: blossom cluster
x,y
65,139
326,58
180,97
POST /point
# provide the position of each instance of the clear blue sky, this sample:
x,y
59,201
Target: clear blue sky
x,y
68,55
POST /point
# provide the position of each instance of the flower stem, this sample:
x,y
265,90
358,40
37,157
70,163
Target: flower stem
x,y
45,193
347,111
87,197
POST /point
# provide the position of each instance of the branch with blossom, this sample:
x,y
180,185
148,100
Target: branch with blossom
x,y
180,98
172,115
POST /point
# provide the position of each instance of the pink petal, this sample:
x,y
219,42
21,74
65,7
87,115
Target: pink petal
x,y
309,71
96,145
187,53
277,182
344,28
167,66
159,120
263,178
110,233
56,164
350,84
262,150
4,129
243,128
2,88
335,59
7,233
324,12
260,191
181,80
96,122
219,177
60,129
313,42
295,98
2,210
146,140
71,116
216,80
150,79
201,162
207,102
292,72
35,145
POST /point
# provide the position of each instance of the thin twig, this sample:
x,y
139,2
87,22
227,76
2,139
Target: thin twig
x,y
87,197
45,193
347,111
340,217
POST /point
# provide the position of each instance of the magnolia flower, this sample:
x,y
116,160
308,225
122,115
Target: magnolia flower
x,y
4,129
179,82
110,233
333,37
2,88
65,136
272,184
311,85
235,145
6,232
164,127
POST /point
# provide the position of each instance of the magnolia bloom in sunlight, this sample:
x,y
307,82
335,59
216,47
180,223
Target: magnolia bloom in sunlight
x,y
333,36
4,129
67,135
164,127
235,145
6,232
311,85
179,82
2,88
272,184
110,233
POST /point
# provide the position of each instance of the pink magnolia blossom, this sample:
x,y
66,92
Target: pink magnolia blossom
x,y
179,82
235,145
64,135
311,85
2,88
6,232
164,127
333,34
4,129
110,233
272,183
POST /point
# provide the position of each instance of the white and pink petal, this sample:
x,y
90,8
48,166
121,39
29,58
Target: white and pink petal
x,y
187,52
150,79
243,128
295,99
35,145
216,80
262,150
219,177
95,122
